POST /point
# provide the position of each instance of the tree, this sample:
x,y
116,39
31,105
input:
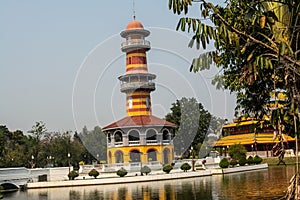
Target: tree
x,y
38,130
257,48
192,122
237,151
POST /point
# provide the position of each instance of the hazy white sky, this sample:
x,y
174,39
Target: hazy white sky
x,y
60,60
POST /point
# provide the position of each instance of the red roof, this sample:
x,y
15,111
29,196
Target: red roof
x,y
137,121
134,25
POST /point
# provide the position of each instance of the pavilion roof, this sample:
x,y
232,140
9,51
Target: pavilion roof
x,y
250,138
138,121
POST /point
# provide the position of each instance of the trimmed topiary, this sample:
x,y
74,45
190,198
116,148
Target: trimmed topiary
x,y
185,167
257,159
73,174
242,161
145,170
167,168
250,160
94,173
224,163
233,162
122,172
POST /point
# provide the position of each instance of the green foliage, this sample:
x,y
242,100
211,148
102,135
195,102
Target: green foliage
x,y
224,163
242,161
250,160
233,162
73,174
46,149
257,159
256,47
94,173
236,151
185,167
167,169
193,123
145,170
122,172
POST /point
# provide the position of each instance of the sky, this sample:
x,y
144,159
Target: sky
x,y
59,63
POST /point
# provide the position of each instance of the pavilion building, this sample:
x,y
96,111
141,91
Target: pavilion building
x,y
139,137
256,142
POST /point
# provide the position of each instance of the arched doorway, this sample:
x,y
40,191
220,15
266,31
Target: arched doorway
x,y
166,153
152,155
135,156
119,157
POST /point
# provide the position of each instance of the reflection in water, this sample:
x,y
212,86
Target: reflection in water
x,y
266,184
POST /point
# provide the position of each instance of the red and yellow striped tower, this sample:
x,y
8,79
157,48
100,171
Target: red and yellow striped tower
x,y
136,82
139,138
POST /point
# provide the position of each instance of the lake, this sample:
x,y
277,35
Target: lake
x,y
264,184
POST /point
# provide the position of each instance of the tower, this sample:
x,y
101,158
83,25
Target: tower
x,y
139,138
137,82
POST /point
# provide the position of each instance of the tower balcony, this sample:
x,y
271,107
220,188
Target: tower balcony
x,y
135,44
137,85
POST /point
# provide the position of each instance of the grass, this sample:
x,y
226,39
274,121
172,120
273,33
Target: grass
x,y
274,160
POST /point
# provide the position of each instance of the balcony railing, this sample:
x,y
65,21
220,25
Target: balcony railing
x,y
135,43
166,141
151,141
134,142
137,85
118,143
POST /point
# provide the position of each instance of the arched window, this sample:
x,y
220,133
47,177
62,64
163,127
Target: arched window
x,y
147,102
118,136
135,156
166,135
119,157
151,135
134,135
130,102
152,155
166,153
108,138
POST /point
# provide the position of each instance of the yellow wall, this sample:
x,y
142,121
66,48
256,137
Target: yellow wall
x,y
144,149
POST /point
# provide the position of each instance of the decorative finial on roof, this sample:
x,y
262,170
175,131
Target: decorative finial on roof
x,y
133,8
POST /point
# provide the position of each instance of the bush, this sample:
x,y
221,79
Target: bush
x,y
94,173
167,168
121,172
250,160
236,151
73,174
224,163
145,170
257,159
185,167
242,161
233,162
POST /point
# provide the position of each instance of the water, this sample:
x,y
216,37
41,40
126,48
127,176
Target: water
x,y
265,184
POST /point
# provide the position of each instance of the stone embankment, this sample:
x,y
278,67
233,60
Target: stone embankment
x,y
112,178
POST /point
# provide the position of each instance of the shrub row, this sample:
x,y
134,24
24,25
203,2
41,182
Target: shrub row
x,y
224,163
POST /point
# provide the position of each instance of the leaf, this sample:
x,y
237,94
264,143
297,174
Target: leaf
x,y
183,24
170,4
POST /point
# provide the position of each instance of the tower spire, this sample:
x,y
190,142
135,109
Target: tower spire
x,y
133,9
